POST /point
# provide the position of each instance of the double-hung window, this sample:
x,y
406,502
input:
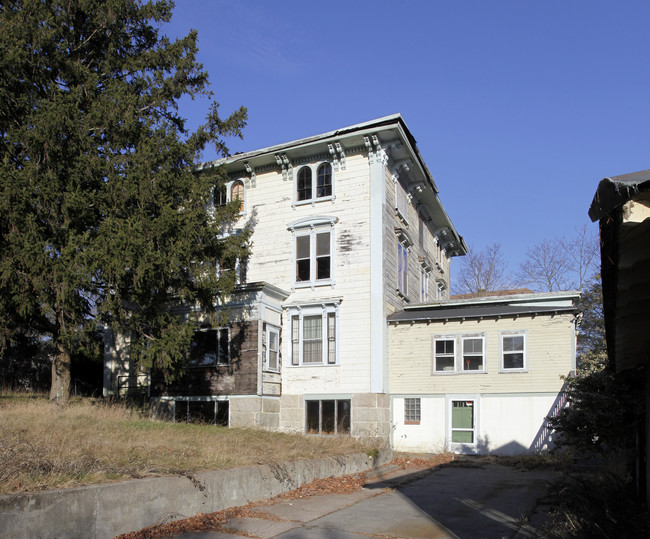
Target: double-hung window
x,y
513,352
314,335
444,357
308,190
473,355
464,353
272,349
210,346
313,240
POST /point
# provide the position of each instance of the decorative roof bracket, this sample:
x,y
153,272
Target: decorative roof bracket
x,y
287,168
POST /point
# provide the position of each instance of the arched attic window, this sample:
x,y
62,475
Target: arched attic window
x,y
237,193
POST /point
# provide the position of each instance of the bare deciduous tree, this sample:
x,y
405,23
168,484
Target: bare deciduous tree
x,y
547,267
482,272
582,252
561,264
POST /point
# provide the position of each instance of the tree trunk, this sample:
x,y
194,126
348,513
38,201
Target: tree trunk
x,y
60,388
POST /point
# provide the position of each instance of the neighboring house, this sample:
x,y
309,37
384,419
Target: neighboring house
x,y
348,229
480,375
622,206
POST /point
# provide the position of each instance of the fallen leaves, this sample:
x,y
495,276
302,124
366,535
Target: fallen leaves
x,y
343,484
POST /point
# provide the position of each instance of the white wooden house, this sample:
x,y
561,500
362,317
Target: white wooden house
x,y
480,375
348,229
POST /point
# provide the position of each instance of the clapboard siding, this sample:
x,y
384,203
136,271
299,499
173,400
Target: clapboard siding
x,y
237,378
550,352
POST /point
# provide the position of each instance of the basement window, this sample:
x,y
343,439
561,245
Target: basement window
x,y
202,412
327,416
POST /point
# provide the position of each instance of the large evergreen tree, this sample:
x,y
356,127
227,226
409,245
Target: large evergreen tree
x,y
102,209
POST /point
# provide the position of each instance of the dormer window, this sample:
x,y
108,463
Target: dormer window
x,y
308,190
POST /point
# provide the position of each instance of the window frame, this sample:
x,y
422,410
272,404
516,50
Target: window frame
x,y
468,337
225,194
329,336
402,269
502,351
412,410
402,202
445,338
314,178
217,363
312,227
267,355
459,354
335,402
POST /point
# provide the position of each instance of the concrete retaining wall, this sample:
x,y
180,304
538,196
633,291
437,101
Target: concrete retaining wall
x,y
106,510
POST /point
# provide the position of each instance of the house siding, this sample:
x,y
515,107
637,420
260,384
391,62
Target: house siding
x,y
238,378
549,349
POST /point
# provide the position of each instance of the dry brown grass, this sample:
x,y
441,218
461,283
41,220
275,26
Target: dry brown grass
x,y
44,445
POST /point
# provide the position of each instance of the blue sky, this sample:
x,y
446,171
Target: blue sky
x,y
518,108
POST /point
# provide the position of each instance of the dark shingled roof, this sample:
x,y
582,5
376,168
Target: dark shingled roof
x,y
617,190
459,312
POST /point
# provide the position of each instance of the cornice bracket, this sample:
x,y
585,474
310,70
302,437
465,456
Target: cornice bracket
x,y
285,164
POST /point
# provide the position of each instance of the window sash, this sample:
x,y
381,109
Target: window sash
x,y
324,181
327,416
272,349
473,359
513,350
308,190
313,338
444,355
303,186
313,257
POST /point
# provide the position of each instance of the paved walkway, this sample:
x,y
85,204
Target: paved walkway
x,y
463,500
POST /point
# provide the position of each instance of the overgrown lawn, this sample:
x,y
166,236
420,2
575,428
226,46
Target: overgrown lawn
x,y
44,445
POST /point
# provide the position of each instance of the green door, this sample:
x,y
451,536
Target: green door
x,y
462,422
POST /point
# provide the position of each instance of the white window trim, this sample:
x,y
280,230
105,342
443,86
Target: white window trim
x,y
460,446
312,226
504,334
313,310
314,185
437,338
461,353
229,187
458,339
267,363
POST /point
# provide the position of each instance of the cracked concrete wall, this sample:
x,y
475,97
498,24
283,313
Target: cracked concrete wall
x,y
106,510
